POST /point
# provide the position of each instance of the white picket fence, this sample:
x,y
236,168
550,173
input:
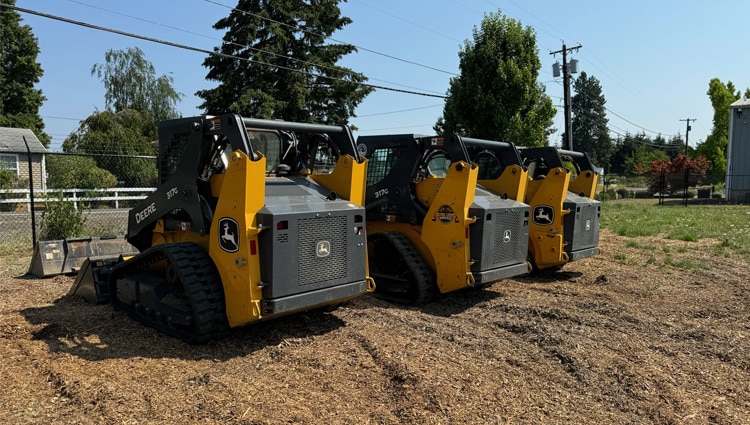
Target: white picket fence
x,y
114,195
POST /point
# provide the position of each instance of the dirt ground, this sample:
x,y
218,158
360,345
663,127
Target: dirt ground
x,y
649,331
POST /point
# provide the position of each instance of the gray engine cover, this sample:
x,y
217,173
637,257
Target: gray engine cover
x,y
499,238
581,226
310,242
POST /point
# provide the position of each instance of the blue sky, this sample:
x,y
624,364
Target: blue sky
x,y
654,59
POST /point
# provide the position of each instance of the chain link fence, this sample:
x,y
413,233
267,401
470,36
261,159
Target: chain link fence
x,y
99,189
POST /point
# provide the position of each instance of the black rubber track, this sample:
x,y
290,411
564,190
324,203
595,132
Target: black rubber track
x,y
401,273
193,280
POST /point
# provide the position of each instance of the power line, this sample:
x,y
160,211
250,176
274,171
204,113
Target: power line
x,y
604,68
395,128
214,53
399,111
586,96
458,3
61,118
541,20
631,122
238,44
297,28
409,22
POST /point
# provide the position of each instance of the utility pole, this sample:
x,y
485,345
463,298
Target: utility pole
x,y
687,170
566,71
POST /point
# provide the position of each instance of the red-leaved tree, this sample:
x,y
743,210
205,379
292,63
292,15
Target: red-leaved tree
x,y
668,177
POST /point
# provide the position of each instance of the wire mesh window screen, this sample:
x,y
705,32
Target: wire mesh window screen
x,y
490,167
173,156
269,144
380,163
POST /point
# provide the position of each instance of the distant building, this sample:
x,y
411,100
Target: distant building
x,y
14,156
738,152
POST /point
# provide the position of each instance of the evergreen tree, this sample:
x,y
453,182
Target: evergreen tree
x,y
675,146
630,150
19,72
624,146
642,159
496,96
589,126
274,63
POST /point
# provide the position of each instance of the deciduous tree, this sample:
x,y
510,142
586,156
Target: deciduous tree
x,y
715,146
669,176
130,82
497,96
118,139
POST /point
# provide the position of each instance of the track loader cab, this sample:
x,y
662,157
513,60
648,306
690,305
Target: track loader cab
x,y
253,219
564,215
429,228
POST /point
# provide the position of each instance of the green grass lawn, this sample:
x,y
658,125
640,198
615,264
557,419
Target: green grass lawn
x,y
730,224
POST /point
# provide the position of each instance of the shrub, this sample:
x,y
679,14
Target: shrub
x,y
9,180
624,193
61,220
68,172
639,181
607,195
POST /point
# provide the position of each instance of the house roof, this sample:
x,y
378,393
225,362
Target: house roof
x,y
11,141
741,103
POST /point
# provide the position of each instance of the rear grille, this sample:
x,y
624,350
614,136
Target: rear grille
x,y
314,268
509,251
590,236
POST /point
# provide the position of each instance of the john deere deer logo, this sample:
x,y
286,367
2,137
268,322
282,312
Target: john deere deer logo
x,y
323,249
544,215
229,235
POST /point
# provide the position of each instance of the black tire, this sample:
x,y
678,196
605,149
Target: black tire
x,y
401,273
